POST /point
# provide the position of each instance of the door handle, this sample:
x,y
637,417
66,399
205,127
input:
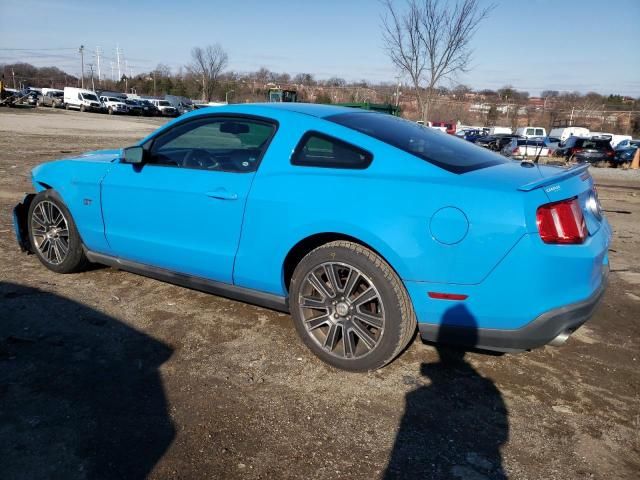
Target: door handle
x,y
222,194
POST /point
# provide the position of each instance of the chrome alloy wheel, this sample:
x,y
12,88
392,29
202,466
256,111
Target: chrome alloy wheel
x,y
50,231
342,310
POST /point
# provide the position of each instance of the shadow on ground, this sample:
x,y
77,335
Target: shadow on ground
x,y
81,395
455,420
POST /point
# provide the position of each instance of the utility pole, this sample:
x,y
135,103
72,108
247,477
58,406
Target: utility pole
x,y
397,92
153,74
93,87
118,60
113,66
81,50
13,74
97,55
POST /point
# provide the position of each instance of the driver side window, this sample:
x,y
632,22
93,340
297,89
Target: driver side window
x,y
220,144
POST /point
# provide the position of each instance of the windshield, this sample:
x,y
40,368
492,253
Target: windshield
x,y
89,96
445,151
164,103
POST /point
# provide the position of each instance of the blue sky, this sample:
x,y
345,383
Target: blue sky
x,y
532,44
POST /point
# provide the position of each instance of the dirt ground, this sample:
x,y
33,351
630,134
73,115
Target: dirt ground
x,y
106,374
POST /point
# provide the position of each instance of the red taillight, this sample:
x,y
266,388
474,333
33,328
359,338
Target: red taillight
x,y
561,222
515,151
575,150
610,153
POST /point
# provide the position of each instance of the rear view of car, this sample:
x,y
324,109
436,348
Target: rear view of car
x,y
594,150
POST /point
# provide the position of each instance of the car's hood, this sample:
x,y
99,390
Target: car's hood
x,y
99,156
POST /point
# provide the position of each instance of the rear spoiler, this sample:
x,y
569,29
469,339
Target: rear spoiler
x,y
571,172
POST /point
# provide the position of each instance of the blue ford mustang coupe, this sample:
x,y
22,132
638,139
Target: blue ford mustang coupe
x,y
360,224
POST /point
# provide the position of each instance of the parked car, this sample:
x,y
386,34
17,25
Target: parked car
x,y
81,99
52,98
473,135
135,107
417,228
626,143
592,150
148,108
625,151
165,108
181,104
531,132
32,97
114,105
613,138
525,148
495,142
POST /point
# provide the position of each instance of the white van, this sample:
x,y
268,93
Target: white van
x,y
566,132
530,132
81,99
500,130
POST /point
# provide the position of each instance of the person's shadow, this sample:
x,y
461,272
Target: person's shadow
x,y
80,392
455,421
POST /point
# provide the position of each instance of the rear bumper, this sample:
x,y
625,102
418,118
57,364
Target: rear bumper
x,y
552,327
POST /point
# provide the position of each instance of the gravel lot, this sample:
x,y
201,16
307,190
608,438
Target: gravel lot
x,y
106,374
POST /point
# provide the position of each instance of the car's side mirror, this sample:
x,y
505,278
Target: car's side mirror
x,y
133,155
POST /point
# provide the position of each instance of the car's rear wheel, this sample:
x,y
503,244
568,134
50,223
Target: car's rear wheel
x,y
350,307
82,109
53,234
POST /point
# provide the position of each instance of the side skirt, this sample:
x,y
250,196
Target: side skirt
x,y
247,295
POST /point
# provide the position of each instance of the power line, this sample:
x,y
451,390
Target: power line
x,y
34,49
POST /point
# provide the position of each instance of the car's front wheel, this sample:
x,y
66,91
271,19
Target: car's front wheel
x,y
53,234
350,307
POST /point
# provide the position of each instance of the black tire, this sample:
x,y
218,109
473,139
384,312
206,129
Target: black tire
x,y
74,260
399,320
110,111
66,106
82,109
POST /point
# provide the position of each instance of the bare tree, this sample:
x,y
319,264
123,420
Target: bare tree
x,y
430,41
207,65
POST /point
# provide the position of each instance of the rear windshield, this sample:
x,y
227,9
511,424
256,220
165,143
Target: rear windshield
x,y
590,143
446,151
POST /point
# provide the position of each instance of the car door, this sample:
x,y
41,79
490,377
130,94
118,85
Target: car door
x,y
182,209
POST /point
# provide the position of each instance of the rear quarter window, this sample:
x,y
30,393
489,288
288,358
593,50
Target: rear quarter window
x,y
318,150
